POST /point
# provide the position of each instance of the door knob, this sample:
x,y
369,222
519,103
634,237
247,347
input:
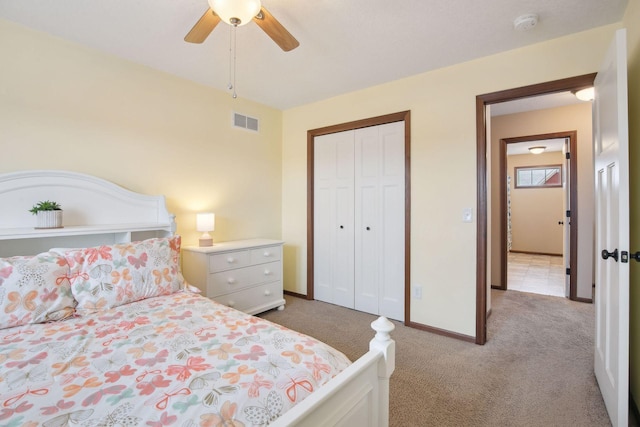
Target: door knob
x,y
635,256
607,255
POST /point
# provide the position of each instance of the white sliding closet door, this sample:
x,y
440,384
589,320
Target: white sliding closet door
x,y
333,219
379,220
359,202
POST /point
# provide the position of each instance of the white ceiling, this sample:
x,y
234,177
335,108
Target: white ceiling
x,y
345,45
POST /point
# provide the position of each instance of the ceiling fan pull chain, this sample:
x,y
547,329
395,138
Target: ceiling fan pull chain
x,y
229,85
235,95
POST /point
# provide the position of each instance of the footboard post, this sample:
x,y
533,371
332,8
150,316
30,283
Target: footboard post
x,y
383,343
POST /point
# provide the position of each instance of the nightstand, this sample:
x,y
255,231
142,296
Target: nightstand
x,y
243,274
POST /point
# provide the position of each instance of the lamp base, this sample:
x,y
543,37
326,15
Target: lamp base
x,y
202,242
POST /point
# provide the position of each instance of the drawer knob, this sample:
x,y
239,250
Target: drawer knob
x,y
231,281
267,293
231,303
267,254
267,272
231,260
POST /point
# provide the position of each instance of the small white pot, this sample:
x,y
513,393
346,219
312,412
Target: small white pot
x,y
49,219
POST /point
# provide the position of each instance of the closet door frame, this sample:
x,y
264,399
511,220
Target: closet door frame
x,y
403,116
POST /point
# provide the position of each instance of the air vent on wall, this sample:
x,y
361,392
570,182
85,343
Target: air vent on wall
x,y
245,122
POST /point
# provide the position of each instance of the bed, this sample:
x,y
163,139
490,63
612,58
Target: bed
x,y
99,328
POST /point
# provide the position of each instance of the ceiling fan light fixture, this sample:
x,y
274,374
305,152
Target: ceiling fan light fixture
x,y
586,94
236,12
537,150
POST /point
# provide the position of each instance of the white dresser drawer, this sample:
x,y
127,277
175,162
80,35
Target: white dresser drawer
x,y
227,261
252,299
235,280
267,254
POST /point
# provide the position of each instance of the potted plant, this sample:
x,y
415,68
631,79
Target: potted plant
x,y
48,214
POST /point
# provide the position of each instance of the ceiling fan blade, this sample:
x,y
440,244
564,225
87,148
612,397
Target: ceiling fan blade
x,y
275,30
203,27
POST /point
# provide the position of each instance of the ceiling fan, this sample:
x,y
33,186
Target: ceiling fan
x,y
237,13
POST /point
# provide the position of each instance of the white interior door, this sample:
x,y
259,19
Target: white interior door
x,y
392,208
379,220
333,245
611,154
566,222
368,220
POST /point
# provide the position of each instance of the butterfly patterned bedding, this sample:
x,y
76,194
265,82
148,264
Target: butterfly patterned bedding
x,y
159,361
112,335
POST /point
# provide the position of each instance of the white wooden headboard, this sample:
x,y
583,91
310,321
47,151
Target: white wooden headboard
x,y
96,212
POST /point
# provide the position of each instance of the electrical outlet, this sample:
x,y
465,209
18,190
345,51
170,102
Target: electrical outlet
x,y
417,292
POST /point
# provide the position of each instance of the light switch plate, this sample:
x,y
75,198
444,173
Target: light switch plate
x,y
467,215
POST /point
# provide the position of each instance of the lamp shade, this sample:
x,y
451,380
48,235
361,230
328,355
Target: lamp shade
x,y
206,222
235,12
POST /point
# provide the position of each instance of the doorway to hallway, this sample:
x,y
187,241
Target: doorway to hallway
x,y
483,166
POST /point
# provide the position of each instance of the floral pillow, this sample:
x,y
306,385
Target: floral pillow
x,y
109,276
34,289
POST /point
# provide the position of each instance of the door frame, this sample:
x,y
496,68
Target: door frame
x,y
562,85
402,116
573,203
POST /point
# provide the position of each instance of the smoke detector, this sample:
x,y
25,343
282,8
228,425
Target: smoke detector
x,y
525,22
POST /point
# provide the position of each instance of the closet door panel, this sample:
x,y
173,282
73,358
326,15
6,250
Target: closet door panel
x,y
367,217
367,253
343,249
322,247
333,218
392,236
391,299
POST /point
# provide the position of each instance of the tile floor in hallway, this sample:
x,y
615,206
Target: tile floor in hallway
x,y
539,274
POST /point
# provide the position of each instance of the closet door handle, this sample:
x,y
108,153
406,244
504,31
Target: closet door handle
x,y
368,228
607,255
341,227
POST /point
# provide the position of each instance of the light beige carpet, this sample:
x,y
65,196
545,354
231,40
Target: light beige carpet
x,y
535,370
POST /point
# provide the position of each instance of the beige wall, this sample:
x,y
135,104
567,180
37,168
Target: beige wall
x,y
535,212
443,138
631,20
569,118
63,106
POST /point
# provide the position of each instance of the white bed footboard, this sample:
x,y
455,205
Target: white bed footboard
x,y
358,396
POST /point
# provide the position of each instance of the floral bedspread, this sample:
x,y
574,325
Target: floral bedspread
x,y
179,359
